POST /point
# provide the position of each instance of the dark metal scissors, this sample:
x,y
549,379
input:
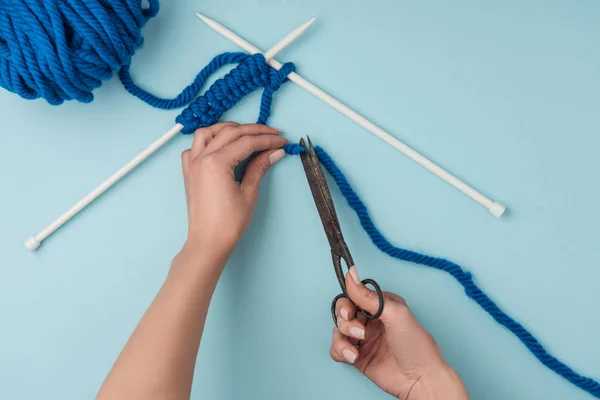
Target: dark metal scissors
x,y
339,250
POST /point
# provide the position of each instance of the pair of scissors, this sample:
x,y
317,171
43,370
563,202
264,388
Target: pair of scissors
x,y
329,219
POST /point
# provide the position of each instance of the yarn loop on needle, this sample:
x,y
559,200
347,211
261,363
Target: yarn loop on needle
x,y
251,73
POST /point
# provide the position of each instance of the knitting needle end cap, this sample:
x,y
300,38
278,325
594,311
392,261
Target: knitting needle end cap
x,y
32,243
497,209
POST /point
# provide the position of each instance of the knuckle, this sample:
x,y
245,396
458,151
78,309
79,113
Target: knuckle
x,y
395,297
343,326
253,196
231,130
210,161
230,123
262,166
230,126
270,141
206,137
368,293
397,311
333,354
246,141
400,300
200,131
202,134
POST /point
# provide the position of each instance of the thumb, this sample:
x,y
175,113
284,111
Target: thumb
x,y
256,170
360,294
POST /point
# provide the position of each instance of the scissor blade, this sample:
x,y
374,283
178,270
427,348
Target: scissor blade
x,y
307,162
320,177
322,198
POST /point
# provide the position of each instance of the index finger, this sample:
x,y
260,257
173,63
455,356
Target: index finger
x,y
230,134
245,146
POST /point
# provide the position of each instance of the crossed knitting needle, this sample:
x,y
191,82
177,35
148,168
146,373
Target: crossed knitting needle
x,y
497,209
33,242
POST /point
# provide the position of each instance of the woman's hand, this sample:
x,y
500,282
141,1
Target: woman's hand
x,y
220,208
158,360
394,351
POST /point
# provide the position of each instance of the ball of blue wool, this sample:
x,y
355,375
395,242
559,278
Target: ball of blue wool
x,y
64,49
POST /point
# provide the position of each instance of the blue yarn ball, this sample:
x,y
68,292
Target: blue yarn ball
x,y
63,49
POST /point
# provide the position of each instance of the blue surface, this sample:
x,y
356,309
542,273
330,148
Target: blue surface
x,y
505,96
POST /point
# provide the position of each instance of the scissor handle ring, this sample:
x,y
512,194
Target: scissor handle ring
x,y
333,304
367,314
379,296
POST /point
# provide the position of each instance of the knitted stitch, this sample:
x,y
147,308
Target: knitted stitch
x,y
251,73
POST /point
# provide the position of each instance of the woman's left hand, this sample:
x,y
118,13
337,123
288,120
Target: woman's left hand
x,y
158,360
220,209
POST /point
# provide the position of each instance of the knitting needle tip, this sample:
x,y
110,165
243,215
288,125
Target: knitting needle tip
x,y
247,46
204,18
226,33
293,35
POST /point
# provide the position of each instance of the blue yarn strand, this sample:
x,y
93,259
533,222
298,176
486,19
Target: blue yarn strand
x,y
63,50
463,277
251,73
189,93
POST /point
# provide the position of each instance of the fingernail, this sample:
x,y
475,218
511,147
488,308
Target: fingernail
x,y
349,355
357,333
354,274
344,313
276,156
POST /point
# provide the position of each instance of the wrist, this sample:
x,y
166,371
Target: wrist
x,y
442,383
194,261
212,247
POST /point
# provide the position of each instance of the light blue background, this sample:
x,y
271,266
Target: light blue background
x,y
505,95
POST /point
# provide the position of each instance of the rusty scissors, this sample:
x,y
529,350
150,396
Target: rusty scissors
x,y
329,219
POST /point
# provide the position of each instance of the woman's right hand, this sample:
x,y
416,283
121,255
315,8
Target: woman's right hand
x,y
394,351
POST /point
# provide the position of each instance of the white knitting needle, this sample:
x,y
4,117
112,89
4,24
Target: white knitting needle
x,y
33,242
293,35
493,207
